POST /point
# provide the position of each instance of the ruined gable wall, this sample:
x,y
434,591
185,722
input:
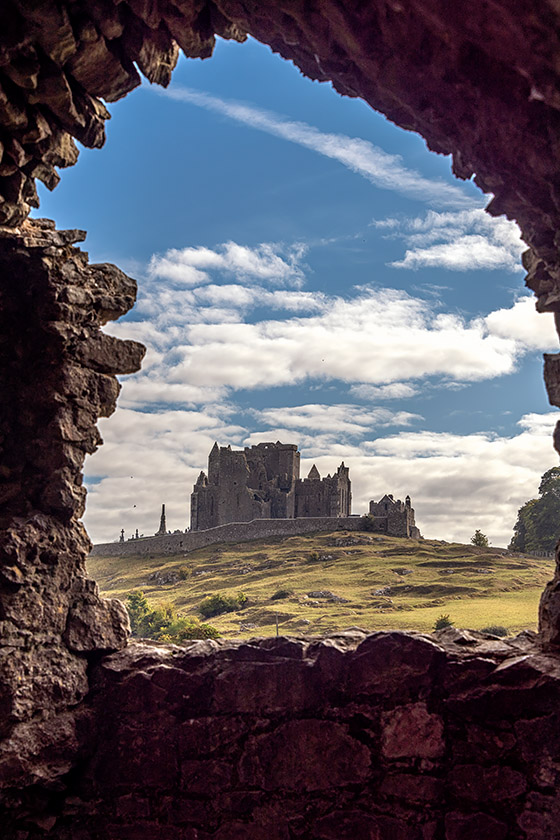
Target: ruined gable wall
x,y
398,524
273,471
280,460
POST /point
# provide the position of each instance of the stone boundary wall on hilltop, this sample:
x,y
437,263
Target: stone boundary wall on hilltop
x,y
233,532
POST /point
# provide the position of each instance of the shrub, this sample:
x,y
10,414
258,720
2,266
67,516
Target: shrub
x,y
138,608
162,623
496,630
368,523
480,539
442,622
183,572
218,604
281,593
188,628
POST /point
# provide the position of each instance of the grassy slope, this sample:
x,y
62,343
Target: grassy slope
x,y
476,587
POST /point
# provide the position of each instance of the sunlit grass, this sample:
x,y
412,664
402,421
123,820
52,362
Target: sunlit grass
x,y
476,587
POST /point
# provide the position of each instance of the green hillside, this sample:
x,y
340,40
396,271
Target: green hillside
x,y
324,582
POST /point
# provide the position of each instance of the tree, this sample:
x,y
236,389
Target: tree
x,y
538,521
138,608
478,538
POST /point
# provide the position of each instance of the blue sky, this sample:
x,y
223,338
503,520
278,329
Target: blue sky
x,y
308,273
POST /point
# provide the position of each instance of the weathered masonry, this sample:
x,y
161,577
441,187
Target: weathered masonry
x,y
262,482
397,517
388,736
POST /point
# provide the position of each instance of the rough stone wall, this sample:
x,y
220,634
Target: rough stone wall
x,y
329,496
234,532
56,378
399,516
461,743
391,736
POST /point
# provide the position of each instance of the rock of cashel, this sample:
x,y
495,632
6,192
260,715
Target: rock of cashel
x,y
257,492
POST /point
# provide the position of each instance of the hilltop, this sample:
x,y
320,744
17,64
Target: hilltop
x,y
323,582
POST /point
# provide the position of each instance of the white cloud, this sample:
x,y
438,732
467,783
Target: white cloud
x,y
382,169
270,262
380,341
393,391
461,241
145,390
333,420
522,322
376,337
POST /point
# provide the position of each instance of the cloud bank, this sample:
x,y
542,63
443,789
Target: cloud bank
x,y
461,241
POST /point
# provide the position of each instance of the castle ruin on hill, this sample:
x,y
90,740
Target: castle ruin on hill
x,y
263,482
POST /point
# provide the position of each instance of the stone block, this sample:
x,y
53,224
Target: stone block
x,y
304,755
396,665
351,825
486,784
412,732
460,826
413,788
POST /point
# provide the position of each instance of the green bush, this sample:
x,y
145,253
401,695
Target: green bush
x,y
281,593
480,539
162,623
442,622
496,630
184,572
188,628
219,604
138,608
368,523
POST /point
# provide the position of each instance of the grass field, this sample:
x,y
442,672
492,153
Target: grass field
x,y
376,583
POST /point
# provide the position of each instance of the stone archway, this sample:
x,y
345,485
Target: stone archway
x,y
391,711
